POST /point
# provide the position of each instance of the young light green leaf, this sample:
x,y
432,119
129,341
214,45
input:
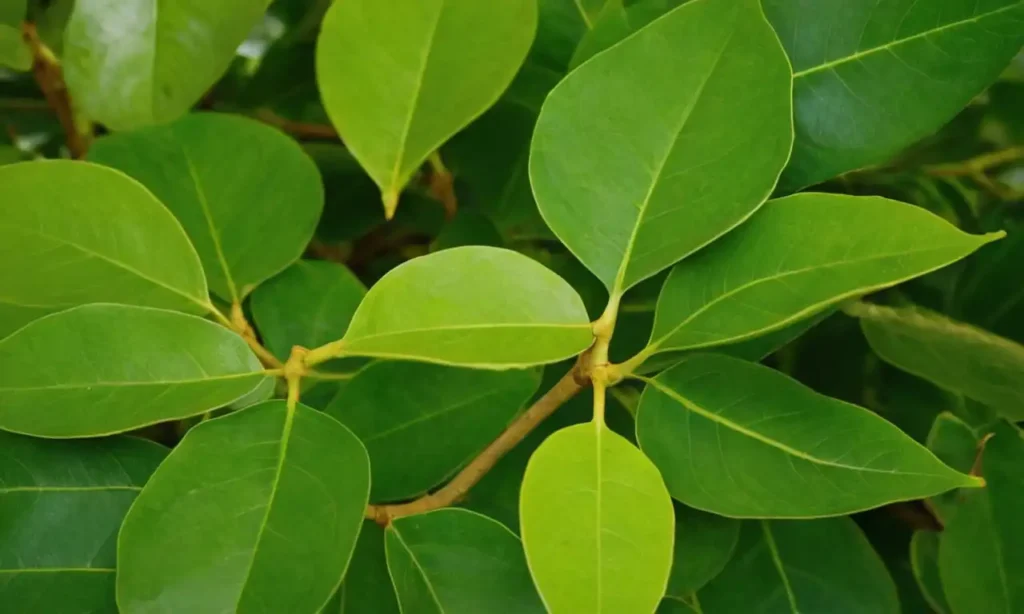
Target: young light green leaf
x,y
61,505
420,422
597,523
247,195
398,79
55,253
924,561
102,369
739,439
704,543
952,355
309,304
797,256
981,549
953,442
802,566
367,586
454,561
481,307
134,63
872,77
267,501
635,153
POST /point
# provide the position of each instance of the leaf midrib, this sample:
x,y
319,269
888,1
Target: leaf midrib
x,y
76,386
773,550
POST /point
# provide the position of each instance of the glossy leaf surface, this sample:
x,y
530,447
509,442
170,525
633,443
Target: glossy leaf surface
x,y
597,523
739,439
118,368
266,503
54,254
631,184
473,306
247,195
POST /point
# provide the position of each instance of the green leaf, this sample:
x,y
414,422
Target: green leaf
x,y
953,442
675,605
981,550
309,304
924,559
483,307
455,561
134,64
739,439
704,543
597,523
61,505
102,369
54,254
398,79
561,25
634,157
616,23
802,566
435,419
468,228
795,257
247,195
871,77
268,502
952,355
367,586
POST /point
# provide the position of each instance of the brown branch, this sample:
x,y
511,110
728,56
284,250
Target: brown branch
x,y
299,130
48,74
452,492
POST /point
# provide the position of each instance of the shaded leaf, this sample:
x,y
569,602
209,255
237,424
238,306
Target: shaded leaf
x,y
616,23
367,586
468,228
924,557
704,543
954,443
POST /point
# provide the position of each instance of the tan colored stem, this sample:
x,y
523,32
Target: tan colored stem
x,y
299,130
971,167
48,74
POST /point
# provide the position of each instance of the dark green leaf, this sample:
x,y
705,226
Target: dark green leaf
x,y
924,556
367,586
954,443
704,544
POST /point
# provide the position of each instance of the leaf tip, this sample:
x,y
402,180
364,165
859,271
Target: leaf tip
x,y
390,199
990,237
975,481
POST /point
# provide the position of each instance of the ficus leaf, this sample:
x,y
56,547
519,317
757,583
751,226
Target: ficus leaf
x,y
267,501
54,254
739,439
924,561
704,543
797,256
102,369
454,561
633,183
400,78
367,586
250,210
953,442
597,523
482,307
61,505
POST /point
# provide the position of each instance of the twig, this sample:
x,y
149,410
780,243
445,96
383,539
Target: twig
x,y
47,71
441,184
977,164
300,130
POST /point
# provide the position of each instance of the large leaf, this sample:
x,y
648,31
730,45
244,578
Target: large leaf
x,y
61,505
267,502
797,256
952,355
635,156
704,544
247,195
474,306
74,233
399,78
802,566
454,561
131,63
873,76
981,550
597,523
309,304
101,369
419,431
739,439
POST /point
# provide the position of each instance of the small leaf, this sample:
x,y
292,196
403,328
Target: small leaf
x,y
74,233
802,566
597,523
247,195
953,442
102,369
704,544
458,562
873,77
61,505
633,183
617,23
309,304
472,306
797,256
157,61
739,439
367,586
267,501
924,560
398,79
952,355
435,419
981,550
